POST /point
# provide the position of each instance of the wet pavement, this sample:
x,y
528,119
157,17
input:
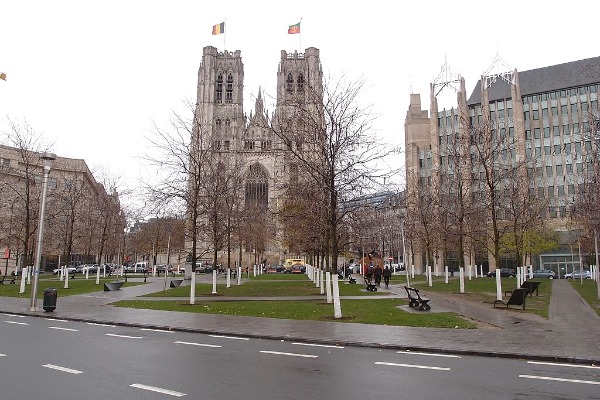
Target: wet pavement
x,y
570,334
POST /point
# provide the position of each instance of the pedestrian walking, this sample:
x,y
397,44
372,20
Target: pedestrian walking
x,y
387,273
378,273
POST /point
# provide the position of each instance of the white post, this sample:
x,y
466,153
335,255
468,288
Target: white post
x,y
214,279
317,274
87,273
328,283
98,276
153,270
193,289
475,270
23,279
518,277
337,306
428,269
469,270
481,270
228,277
498,285
61,271
531,272
104,271
446,274
462,279
321,278
239,275
412,271
436,269
66,278
254,270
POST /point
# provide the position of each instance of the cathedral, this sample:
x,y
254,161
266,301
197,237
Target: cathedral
x,y
264,159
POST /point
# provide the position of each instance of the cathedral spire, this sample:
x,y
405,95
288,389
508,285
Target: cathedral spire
x,y
259,103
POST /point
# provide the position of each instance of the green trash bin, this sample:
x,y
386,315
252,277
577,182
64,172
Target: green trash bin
x,y
50,295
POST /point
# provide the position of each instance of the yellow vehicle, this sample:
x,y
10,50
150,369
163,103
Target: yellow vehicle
x,y
291,262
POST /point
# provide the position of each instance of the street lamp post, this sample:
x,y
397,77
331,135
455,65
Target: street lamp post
x,y
48,158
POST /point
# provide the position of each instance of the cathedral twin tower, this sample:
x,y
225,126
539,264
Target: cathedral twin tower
x,y
263,157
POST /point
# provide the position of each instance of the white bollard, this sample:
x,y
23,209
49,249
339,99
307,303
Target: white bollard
x,y
437,272
469,271
481,270
412,271
462,279
475,270
317,276
321,279
193,288
328,283
254,270
428,269
518,277
239,275
61,271
104,271
87,273
498,285
407,277
228,277
531,272
98,275
23,279
153,270
214,279
337,306
446,274
66,279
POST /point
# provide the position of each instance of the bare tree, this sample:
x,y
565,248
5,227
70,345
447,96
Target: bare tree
x,y
333,143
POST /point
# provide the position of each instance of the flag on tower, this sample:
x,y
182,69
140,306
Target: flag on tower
x,y
218,28
293,29
2,76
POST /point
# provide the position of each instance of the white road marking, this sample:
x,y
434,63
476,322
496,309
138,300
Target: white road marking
x,y
63,369
318,345
15,315
157,389
63,329
156,330
57,320
97,324
229,337
17,323
124,336
288,354
562,365
428,354
413,366
549,378
2,355
198,344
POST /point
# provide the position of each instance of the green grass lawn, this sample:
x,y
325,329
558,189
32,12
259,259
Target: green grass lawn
x,y
589,292
483,290
79,285
379,312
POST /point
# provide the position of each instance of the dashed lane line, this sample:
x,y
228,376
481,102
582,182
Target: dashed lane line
x,y
63,369
63,329
198,344
413,366
550,378
16,323
124,336
158,390
563,365
288,354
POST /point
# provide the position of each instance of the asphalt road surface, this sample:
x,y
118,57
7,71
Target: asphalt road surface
x,y
49,359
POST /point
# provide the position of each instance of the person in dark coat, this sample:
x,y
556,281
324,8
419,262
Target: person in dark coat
x,y
387,273
378,273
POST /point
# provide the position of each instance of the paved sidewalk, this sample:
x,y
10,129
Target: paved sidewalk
x,y
569,335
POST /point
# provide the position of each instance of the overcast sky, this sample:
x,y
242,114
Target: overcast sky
x,y
94,76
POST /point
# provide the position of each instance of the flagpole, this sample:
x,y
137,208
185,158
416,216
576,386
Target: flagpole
x,y
224,34
300,49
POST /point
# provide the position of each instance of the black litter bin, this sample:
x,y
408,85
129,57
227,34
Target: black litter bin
x,y
50,295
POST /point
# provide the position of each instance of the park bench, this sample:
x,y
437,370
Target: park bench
x,y
415,299
517,298
532,286
370,285
175,282
351,280
108,286
3,278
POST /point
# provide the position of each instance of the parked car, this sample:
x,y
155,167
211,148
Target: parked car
x,y
204,268
272,269
162,267
70,270
298,269
578,275
544,273
504,272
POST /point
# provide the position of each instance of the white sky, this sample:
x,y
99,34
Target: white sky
x,y
93,76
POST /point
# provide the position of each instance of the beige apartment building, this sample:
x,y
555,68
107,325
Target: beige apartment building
x,y
83,222
539,129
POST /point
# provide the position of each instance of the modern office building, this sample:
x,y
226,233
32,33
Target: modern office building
x,y
539,129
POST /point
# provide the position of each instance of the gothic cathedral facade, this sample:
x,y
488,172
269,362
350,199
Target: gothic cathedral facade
x,y
263,157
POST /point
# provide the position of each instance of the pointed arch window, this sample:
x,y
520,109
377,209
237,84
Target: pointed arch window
x,y
256,188
300,83
218,126
289,83
219,89
229,89
227,126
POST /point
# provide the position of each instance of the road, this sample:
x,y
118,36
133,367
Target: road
x,y
50,359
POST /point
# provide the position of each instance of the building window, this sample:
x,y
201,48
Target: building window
x,y
547,150
550,191
538,151
527,134
557,149
556,130
4,162
547,132
249,145
536,133
536,114
568,149
559,170
256,188
561,190
544,113
300,83
569,168
219,89
289,83
226,145
229,90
